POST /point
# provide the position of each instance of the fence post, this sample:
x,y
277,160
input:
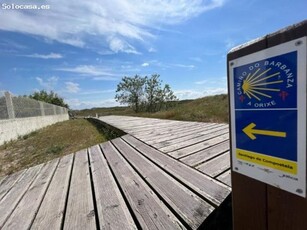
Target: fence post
x,y
54,109
9,105
41,104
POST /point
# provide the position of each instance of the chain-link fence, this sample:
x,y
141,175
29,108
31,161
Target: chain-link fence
x,y
19,106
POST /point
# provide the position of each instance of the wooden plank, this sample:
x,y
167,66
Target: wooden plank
x,y
206,154
192,209
170,136
12,198
9,181
216,165
225,177
206,136
158,134
138,127
167,127
112,210
26,210
51,213
80,212
2,179
199,146
150,212
209,188
129,123
150,125
187,136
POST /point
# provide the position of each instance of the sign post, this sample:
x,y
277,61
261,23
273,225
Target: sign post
x,y
267,93
268,101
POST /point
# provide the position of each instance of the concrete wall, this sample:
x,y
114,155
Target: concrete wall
x,y
11,129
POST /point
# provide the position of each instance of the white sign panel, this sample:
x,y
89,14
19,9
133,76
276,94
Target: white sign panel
x,y
268,115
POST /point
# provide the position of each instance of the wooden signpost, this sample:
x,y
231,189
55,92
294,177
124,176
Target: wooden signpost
x,y
267,96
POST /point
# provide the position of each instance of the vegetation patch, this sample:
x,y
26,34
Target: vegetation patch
x,y
207,109
48,143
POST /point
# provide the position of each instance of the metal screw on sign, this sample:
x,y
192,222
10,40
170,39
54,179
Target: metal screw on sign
x,y
299,190
298,43
231,63
236,168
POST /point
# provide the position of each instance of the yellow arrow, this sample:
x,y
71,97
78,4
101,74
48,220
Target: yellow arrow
x,y
250,132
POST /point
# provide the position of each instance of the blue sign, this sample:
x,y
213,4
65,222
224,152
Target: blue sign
x,y
268,115
283,146
268,83
264,92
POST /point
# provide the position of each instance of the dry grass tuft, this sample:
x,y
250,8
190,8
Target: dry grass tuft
x,y
51,142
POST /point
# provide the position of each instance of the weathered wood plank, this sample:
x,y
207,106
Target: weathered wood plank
x,y
216,165
166,127
199,146
9,181
181,131
138,127
51,211
12,198
2,178
192,209
167,132
209,188
25,212
113,212
206,154
225,177
80,212
207,134
150,212
188,135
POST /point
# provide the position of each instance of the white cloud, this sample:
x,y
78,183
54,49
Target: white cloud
x,y
193,93
91,92
80,104
45,56
72,87
152,50
197,59
184,66
115,24
145,64
216,81
90,70
49,83
201,82
118,45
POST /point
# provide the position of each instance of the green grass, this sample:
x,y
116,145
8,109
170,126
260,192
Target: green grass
x,y
207,109
48,143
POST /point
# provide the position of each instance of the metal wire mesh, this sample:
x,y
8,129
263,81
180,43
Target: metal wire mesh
x,y
25,107
3,108
19,107
48,108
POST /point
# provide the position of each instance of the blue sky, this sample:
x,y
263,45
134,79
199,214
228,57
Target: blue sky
x,y
81,49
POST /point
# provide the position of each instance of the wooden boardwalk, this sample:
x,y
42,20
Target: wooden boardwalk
x,y
122,184
204,146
